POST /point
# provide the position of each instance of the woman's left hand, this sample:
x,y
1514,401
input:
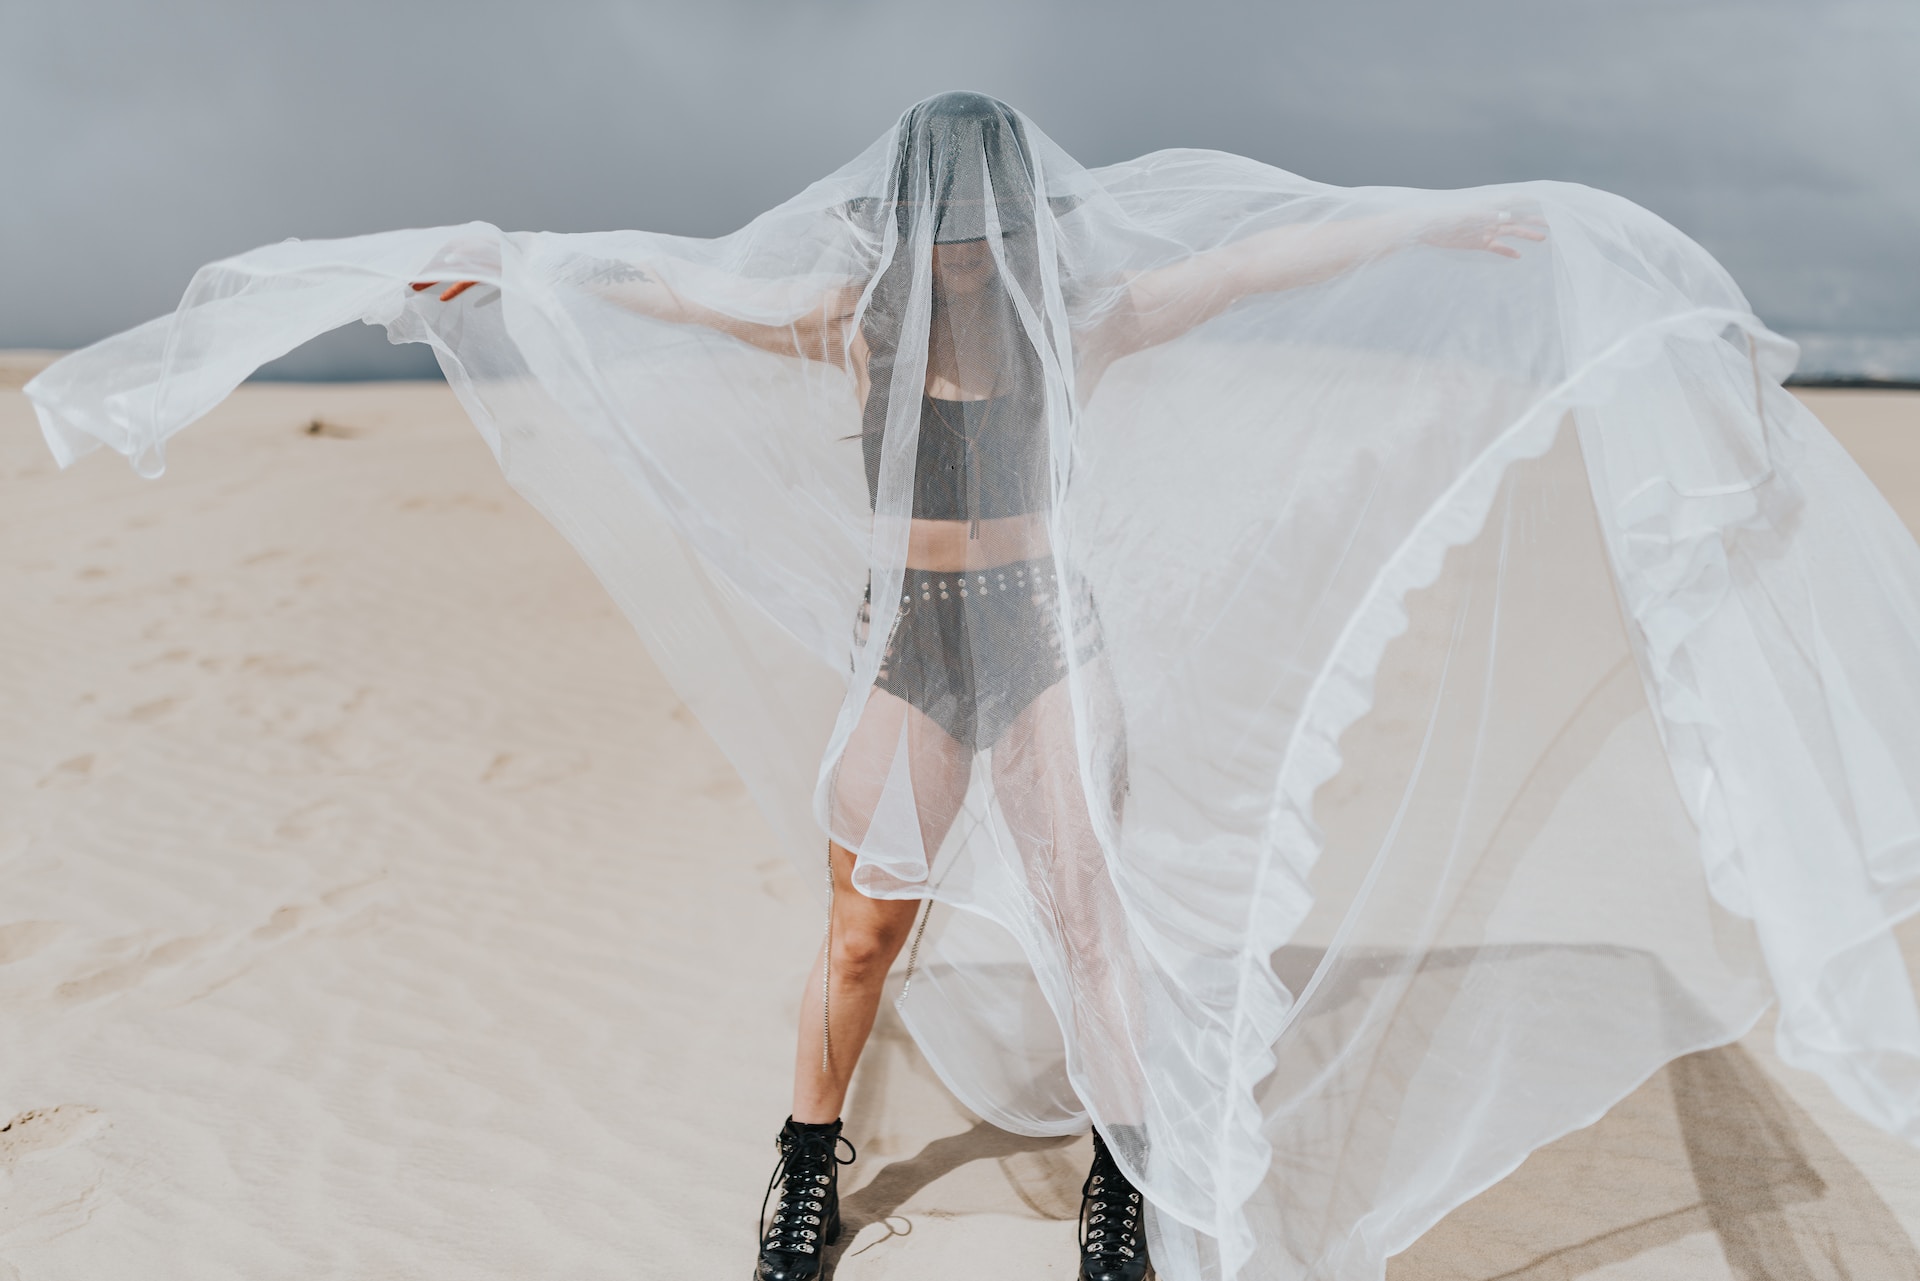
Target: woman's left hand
x,y
1486,230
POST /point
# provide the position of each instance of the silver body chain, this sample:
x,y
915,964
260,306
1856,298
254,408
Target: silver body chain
x,y
826,968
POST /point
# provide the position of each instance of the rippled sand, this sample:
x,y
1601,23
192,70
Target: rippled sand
x,y
370,908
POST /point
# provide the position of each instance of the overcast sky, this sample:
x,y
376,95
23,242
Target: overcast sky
x,y
145,137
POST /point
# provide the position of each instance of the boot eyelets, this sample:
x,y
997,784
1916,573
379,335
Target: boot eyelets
x,y
1112,1247
807,1214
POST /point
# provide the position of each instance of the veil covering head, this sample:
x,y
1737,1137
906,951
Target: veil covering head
x,y
961,296
963,162
1358,703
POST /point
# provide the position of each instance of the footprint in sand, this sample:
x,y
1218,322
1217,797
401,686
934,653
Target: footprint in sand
x,y
519,773
126,974
42,1129
284,921
72,772
316,818
277,666
340,902
21,939
153,710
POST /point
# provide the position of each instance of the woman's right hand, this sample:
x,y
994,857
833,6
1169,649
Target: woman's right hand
x,y
465,253
453,291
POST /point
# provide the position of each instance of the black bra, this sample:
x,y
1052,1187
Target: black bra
x,y
976,459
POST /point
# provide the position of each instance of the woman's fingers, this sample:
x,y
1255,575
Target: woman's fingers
x,y
453,291
1487,230
1504,226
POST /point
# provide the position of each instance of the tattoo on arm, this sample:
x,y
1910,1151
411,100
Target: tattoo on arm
x,y
611,271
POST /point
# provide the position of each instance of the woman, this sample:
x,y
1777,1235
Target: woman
x,y
1159,462
984,668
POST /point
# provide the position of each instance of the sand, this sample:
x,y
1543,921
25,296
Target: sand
x,y
372,909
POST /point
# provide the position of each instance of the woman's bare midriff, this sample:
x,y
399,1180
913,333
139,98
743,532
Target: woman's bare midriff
x,y
948,546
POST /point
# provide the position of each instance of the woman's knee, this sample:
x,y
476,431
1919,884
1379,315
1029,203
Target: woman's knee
x,y
863,950
868,932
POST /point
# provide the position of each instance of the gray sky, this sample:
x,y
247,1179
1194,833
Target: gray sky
x,y
144,137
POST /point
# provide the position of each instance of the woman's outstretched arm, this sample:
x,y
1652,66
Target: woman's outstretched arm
x,y
820,333
1164,303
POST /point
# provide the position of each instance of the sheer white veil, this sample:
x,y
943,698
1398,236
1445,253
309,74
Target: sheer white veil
x,y
1472,681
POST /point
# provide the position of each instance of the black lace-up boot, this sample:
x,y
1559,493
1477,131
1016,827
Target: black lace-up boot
x,y
806,1220
1113,1237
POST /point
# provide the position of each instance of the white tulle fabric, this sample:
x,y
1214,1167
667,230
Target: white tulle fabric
x,y
1494,684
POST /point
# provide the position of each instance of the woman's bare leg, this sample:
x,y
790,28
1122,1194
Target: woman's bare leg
x,y
1036,778
1041,791
867,933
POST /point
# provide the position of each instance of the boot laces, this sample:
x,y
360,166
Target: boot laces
x,y
806,1178
1111,1211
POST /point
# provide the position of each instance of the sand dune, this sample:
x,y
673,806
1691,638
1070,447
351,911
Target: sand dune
x,y
373,910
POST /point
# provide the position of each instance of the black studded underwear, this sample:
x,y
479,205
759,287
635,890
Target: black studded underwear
x,y
973,650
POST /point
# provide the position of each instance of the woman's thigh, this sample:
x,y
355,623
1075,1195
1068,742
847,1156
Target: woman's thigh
x,y
1048,800
897,748
1043,796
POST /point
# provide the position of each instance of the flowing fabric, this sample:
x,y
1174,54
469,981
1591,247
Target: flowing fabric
x,y
1363,683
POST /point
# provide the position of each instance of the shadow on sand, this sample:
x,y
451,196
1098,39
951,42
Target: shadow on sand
x,y
1708,1145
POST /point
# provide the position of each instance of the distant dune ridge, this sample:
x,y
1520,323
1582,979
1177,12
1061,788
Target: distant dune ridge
x,y
374,910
